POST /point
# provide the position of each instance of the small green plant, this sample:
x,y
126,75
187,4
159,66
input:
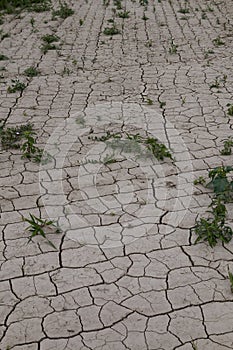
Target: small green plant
x,y
230,109
64,11
148,43
16,86
231,280
50,38
215,84
199,181
22,137
109,159
132,143
220,183
31,152
66,71
31,72
218,41
3,58
39,227
162,104
173,48
47,47
111,30
149,101
183,100
143,2
194,345
118,4
123,14
209,8
81,21
11,137
228,144
214,228
183,10
203,15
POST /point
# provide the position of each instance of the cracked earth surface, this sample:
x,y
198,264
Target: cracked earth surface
x,y
126,274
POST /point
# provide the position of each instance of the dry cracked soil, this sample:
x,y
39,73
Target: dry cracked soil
x,y
125,273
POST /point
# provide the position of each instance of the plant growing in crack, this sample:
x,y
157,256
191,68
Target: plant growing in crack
x,y
48,42
132,143
31,72
39,227
31,152
111,30
11,137
123,14
230,109
162,104
214,228
227,147
22,137
184,10
173,48
15,86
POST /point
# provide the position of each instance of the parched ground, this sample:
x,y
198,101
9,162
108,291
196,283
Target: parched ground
x,y
126,273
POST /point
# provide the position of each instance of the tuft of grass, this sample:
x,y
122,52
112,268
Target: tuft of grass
x,y
111,30
38,227
16,86
64,11
123,14
23,138
31,72
81,21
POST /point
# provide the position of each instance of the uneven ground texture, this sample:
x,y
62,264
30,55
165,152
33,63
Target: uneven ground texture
x,y
123,276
